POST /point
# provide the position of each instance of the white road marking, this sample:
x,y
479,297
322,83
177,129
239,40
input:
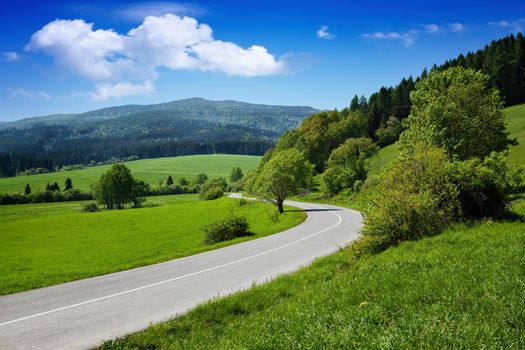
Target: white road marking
x,y
175,278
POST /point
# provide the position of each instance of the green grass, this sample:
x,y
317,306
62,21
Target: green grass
x,y
463,289
516,127
46,244
150,170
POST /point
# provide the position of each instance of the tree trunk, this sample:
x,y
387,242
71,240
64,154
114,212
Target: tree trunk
x,y
280,206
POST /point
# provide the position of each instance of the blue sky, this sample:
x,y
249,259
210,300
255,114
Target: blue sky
x,y
66,57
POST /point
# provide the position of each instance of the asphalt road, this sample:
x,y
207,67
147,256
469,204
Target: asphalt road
x,y
84,313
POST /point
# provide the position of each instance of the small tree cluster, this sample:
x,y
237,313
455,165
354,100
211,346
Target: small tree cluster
x,y
227,228
347,164
117,187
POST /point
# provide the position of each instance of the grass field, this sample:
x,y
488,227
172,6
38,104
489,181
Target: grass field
x,y
462,289
516,126
51,243
150,170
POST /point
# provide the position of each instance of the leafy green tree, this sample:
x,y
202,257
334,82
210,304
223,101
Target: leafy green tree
x,y
285,174
236,174
169,181
347,164
27,189
201,178
68,184
183,181
115,188
49,187
55,187
458,111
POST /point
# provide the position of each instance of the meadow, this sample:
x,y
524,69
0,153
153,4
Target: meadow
x,y
51,243
153,171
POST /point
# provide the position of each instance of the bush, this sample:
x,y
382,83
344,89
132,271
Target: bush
x,y
213,189
90,208
212,193
227,228
484,184
415,199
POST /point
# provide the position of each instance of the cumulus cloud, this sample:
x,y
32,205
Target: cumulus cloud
x,y
10,56
432,28
324,33
105,92
516,26
456,27
32,94
124,64
408,38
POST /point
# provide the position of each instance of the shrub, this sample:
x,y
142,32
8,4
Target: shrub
x,y
229,227
415,199
212,193
213,189
484,184
90,208
242,202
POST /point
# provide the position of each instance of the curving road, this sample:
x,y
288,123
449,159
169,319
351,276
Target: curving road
x,y
83,313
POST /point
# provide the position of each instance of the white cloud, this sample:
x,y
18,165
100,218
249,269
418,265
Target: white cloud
x,y
456,27
10,56
139,11
324,33
432,28
132,59
516,26
33,94
407,39
105,92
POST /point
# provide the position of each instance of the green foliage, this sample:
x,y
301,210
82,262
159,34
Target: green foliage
x,y
484,184
322,132
415,198
89,208
117,187
68,184
227,228
169,181
389,133
183,181
27,189
213,189
212,193
347,164
236,174
458,111
201,178
285,174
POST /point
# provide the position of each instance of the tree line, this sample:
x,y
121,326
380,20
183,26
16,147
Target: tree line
x,y
503,61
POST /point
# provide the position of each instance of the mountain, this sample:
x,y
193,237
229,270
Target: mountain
x,y
189,126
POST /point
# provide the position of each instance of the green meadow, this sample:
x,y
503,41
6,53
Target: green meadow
x,y
153,171
51,243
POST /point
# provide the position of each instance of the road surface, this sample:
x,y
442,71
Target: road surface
x,y
84,313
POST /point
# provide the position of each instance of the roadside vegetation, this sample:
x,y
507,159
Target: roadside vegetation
x,y
51,243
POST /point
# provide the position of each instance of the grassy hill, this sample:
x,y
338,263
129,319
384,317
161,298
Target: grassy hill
x,y
50,243
462,289
515,117
150,170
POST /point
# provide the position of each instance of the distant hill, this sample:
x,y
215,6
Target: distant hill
x,y
189,126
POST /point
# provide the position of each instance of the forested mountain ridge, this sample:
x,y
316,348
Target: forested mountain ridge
x,y
189,126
